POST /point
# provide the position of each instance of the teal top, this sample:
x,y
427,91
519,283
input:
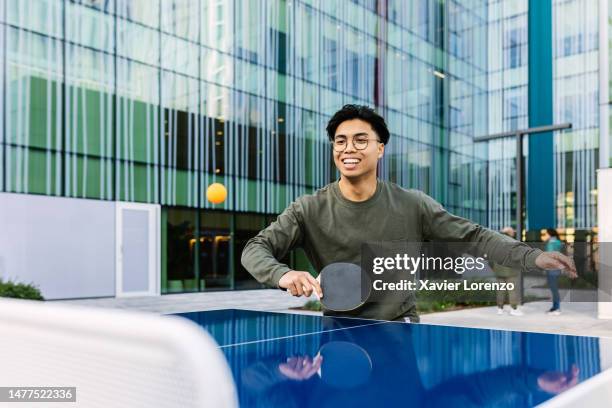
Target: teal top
x,y
554,244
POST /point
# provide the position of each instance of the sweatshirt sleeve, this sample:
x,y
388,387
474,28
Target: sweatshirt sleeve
x,y
261,253
439,224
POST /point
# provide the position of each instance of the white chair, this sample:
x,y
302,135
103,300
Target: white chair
x,y
595,392
114,358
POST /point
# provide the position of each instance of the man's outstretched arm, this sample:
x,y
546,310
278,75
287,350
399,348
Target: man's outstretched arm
x,y
439,224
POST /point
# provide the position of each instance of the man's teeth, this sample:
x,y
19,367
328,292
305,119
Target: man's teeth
x,y
351,161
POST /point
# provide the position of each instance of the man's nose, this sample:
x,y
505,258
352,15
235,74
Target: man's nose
x,y
350,146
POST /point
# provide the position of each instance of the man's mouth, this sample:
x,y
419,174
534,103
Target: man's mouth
x,y
350,163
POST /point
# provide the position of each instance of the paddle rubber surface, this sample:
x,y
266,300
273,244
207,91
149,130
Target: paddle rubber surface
x,y
342,286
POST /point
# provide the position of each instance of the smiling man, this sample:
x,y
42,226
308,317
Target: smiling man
x,y
332,223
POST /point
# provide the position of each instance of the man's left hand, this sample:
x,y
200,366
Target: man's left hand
x,y
556,260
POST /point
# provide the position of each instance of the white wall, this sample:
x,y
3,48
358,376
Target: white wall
x,y
604,219
65,246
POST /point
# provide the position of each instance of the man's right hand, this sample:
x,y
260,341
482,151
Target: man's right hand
x,y
300,283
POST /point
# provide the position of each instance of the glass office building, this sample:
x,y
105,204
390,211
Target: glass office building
x,y
579,70
151,101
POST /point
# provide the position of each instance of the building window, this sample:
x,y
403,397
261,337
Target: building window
x,y
330,67
514,48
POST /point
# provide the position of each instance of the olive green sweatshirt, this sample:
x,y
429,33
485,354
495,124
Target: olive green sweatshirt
x,y
330,228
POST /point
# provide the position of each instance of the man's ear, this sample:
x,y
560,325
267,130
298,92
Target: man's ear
x,y
381,150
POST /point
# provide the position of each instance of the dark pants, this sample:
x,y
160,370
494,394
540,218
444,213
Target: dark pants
x,y
410,314
553,284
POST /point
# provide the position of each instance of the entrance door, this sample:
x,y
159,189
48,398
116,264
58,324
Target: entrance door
x,y
137,249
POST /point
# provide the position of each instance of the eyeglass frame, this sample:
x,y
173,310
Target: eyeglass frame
x,y
332,142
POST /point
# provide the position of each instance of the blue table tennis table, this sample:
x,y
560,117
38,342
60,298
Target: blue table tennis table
x,y
291,360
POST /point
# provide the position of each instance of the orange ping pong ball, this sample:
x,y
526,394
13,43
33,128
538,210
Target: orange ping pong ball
x,y
216,193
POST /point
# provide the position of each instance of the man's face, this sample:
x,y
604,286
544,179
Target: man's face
x,y
355,162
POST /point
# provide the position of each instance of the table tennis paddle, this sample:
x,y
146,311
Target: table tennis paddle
x,y
344,287
344,364
340,364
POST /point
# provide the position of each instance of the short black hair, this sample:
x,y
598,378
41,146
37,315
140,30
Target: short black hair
x,y
362,112
552,232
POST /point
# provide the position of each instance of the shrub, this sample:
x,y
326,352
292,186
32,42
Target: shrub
x,y
12,289
312,305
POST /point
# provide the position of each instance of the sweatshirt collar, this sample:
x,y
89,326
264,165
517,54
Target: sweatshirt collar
x,y
357,204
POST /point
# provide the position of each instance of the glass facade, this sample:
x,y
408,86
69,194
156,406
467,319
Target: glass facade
x,y
576,95
507,104
153,100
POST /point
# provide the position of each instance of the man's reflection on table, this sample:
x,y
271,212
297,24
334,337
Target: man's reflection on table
x,y
337,375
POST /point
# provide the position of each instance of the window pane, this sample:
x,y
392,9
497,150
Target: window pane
x,y
215,249
247,226
180,250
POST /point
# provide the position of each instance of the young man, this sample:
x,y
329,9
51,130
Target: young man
x,y
509,276
331,224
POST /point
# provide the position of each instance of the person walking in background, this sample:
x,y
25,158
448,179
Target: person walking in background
x,y
553,243
510,276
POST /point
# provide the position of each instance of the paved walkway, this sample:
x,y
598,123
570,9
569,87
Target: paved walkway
x,y
577,318
260,299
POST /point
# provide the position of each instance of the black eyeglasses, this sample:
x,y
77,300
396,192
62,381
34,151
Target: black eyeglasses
x,y
360,142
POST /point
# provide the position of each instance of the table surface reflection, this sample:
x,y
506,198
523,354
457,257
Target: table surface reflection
x,y
290,360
